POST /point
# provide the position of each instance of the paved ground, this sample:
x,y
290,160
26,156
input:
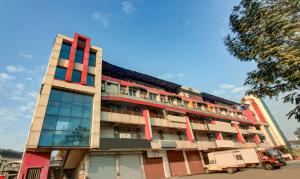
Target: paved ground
x,y
291,171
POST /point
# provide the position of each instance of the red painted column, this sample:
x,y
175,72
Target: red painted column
x,y
257,139
35,160
148,129
85,64
219,136
72,58
189,130
239,134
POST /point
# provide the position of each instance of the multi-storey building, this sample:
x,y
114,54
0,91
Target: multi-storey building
x,y
104,121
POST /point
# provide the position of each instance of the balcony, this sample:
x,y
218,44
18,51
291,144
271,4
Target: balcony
x,y
245,145
176,118
145,99
166,123
264,145
222,126
122,118
254,131
205,145
199,126
225,143
244,131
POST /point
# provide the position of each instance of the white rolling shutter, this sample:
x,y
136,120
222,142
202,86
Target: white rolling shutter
x,y
130,167
102,167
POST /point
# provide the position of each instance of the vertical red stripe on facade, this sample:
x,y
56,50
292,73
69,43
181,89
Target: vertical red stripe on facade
x,y
148,129
257,139
189,130
257,110
85,64
72,58
219,136
239,134
35,160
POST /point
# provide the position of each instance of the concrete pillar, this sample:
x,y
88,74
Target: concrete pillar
x,y
186,163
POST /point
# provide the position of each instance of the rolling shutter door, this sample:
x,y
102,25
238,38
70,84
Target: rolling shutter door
x,y
102,167
194,161
154,168
130,167
176,162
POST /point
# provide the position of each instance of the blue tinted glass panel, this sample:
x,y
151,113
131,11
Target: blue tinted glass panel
x,y
67,120
60,73
49,122
65,51
92,59
90,80
79,55
52,108
76,76
46,138
65,109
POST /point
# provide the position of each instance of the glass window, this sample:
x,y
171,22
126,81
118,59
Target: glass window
x,y
92,59
67,120
50,122
53,108
76,76
65,109
90,80
46,138
79,55
60,73
65,51
62,124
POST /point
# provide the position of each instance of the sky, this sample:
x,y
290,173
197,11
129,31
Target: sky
x,y
179,41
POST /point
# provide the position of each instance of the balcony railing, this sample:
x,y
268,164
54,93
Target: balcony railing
x,y
222,126
225,143
172,105
205,145
264,145
166,123
244,145
254,131
122,118
199,126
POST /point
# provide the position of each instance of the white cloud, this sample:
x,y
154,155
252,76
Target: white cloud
x,y
218,92
180,75
128,7
226,86
5,76
166,76
25,55
17,69
241,89
104,18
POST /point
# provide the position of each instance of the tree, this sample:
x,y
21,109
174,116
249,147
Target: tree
x,y
297,133
267,32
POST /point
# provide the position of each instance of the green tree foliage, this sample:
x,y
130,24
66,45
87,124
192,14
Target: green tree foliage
x,y
268,33
297,133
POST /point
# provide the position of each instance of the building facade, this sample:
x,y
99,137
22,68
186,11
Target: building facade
x,y
104,121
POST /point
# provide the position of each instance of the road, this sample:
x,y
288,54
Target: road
x,y
291,171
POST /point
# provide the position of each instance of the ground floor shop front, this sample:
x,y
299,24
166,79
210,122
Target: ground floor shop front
x,y
143,164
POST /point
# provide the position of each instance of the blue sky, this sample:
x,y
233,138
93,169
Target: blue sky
x,y
180,41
